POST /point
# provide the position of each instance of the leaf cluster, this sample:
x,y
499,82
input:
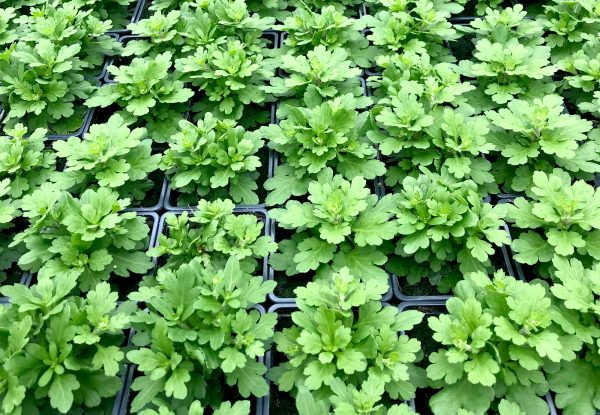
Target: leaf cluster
x,y
60,351
346,347
110,155
510,59
496,339
146,90
199,332
89,238
332,134
443,223
213,233
215,158
536,135
560,219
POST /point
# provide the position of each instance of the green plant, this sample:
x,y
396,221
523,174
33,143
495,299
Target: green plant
x,y
571,23
40,84
110,155
89,238
496,339
228,75
417,26
320,75
199,332
215,158
536,135
8,211
560,219
332,134
582,84
443,224
341,225
344,340
510,59
144,85
213,232
577,289
60,351
25,160
306,29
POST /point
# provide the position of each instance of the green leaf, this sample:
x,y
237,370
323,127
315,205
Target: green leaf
x,y
61,391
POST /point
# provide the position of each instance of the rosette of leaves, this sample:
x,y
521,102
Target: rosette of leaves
x,y
559,218
60,351
320,75
213,232
577,290
417,26
215,158
349,7
571,24
8,211
40,83
229,77
416,135
199,334
582,84
497,338
329,27
332,134
441,82
182,30
146,89
341,225
110,155
89,239
536,135
443,224
74,23
25,161
344,340
510,59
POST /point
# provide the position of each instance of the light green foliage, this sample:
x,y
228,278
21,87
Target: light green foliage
x,y
349,7
8,32
71,24
306,29
229,76
418,26
118,12
319,75
213,158
264,7
560,219
577,289
45,94
418,126
443,225
536,135
146,90
571,23
582,84
58,350
8,211
110,155
332,134
200,331
497,337
89,239
510,59
25,160
341,225
346,347
183,29
213,233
